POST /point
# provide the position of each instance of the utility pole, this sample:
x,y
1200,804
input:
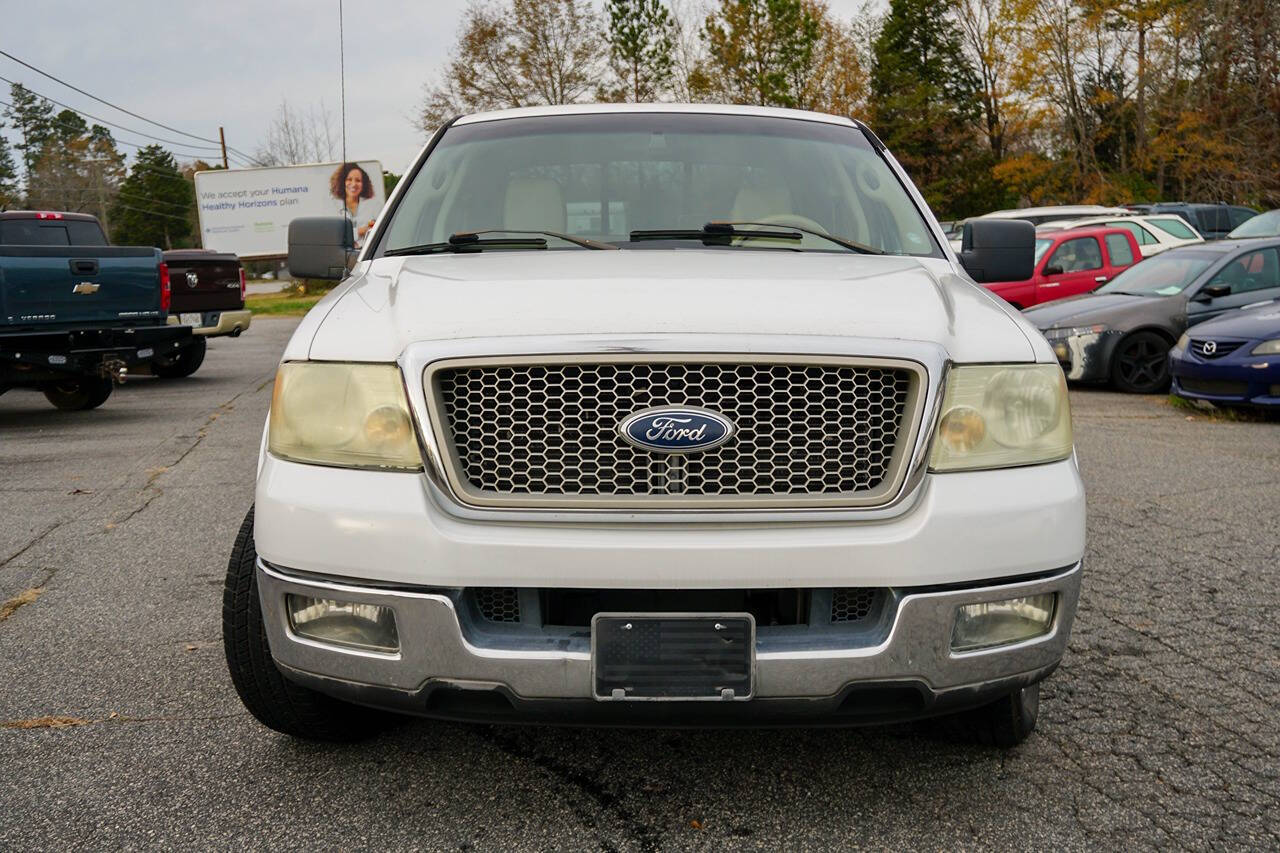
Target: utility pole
x,y
222,137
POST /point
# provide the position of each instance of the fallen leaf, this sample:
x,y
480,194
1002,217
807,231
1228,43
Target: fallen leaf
x,y
23,598
696,824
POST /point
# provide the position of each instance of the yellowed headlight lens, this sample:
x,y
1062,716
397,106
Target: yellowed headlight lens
x,y
1000,416
348,415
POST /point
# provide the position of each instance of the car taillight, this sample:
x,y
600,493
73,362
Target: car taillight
x,y
165,288
242,287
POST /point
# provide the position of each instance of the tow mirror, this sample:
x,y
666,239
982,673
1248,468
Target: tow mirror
x,y
998,249
1053,270
321,247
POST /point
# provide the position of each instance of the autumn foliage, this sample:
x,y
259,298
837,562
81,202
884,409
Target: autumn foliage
x,y
987,103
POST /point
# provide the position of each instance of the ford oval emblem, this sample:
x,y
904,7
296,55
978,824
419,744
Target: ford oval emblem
x,y
676,429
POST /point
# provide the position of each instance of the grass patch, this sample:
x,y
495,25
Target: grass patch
x,y
286,303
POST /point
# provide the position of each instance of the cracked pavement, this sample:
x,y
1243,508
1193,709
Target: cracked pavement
x,y
119,726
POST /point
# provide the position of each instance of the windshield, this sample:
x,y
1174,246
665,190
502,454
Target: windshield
x,y
1263,225
1163,275
606,176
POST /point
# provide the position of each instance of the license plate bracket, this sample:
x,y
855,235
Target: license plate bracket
x,y
685,657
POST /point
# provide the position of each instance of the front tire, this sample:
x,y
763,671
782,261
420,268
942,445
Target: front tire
x,y
1140,364
78,394
185,363
274,700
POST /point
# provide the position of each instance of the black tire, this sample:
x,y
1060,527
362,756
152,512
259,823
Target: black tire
x,y
78,394
185,363
1005,723
275,701
1140,364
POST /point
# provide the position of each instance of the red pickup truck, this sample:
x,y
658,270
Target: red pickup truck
x,y
1070,262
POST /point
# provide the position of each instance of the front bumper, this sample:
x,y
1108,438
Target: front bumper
x,y
1236,379
446,668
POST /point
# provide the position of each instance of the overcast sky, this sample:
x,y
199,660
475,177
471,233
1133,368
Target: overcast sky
x,y
197,66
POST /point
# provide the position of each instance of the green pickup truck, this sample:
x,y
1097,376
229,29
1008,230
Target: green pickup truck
x,y
78,313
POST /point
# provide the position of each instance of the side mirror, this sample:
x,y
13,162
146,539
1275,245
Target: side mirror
x,y
321,247
1213,291
1053,270
999,249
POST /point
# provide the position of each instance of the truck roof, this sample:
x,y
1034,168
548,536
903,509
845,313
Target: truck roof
x,y
606,109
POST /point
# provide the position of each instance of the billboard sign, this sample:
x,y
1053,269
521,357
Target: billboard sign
x,y
248,211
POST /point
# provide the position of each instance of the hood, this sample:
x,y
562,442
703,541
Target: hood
x,y
393,302
1261,322
1088,308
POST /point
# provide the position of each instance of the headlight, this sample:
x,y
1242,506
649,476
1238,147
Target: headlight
x,y
349,415
1074,332
999,416
1183,341
1267,348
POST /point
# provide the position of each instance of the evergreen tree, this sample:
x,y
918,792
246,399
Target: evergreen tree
x,y
154,205
8,176
760,51
925,101
641,48
32,116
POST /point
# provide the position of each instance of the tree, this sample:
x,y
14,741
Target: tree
x,y
297,137
926,103
526,53
760,51
154,204
8,176
641,39
32,116
79,169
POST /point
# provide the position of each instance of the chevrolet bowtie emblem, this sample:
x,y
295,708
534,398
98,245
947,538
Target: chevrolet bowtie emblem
x,y
86,287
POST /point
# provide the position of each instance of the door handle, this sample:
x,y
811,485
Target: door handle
x,y
1099,278
1051,284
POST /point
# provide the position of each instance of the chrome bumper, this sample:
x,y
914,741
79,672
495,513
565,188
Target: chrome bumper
x,y
435,651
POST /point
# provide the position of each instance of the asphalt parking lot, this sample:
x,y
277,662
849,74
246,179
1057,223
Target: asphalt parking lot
x,y
119,726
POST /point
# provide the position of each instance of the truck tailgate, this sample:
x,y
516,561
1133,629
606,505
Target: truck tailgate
x,y
44,285
204,281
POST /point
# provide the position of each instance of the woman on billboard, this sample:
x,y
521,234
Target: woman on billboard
x,y
350,184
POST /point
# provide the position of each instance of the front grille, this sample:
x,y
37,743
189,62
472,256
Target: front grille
x,y
1219,348
830,433
851,603
1221,387
497,603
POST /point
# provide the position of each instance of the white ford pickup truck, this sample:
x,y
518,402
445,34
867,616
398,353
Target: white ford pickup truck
x,y
648,415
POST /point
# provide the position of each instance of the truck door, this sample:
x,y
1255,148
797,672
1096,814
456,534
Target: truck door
x,y
1074,267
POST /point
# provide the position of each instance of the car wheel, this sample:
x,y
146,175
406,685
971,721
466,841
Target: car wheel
x,y
79,393
185,363
1005,723
275,701
1140,364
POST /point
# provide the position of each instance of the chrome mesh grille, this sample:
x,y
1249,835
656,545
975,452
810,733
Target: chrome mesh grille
x,y
551,430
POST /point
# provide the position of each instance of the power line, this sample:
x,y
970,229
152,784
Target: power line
x,y
113,106
63,124
117,193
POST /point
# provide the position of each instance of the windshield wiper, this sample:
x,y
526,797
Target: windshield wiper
x,y
720,233
471,241
839,241
713,234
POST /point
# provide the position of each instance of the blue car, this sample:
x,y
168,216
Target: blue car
x,y
1232,360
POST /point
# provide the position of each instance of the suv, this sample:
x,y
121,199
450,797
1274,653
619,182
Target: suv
x,y
1213,221
645,414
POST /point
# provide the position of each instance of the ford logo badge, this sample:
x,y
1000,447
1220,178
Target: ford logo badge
x,y
676,429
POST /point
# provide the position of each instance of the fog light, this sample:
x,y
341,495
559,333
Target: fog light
x,y
996,623
343,623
